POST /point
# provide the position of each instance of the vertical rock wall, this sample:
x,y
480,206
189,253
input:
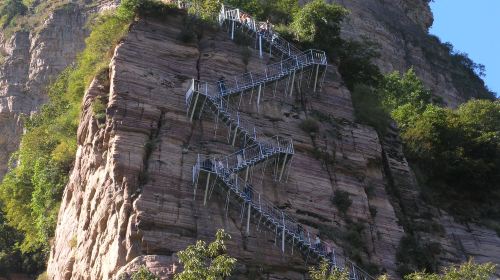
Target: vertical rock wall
x,y
130,197
32,59
400,28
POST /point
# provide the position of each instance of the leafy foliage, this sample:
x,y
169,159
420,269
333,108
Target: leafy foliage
x,y
415,255
466,271
356,63
143,274
202,261
457,151
206,9
323,273
318,23
369,108
397,90
9,9
309,125
342,200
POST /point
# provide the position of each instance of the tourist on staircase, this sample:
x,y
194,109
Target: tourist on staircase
x,y
222,85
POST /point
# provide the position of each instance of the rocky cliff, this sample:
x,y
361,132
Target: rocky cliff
x,y
400,30
130,197
32,57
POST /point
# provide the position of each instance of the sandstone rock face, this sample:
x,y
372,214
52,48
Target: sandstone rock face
x,y
121,220
130,200
399,28
31,60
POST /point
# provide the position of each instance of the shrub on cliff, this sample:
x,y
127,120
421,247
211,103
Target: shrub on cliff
x,y
456,151
202,261
323,272
318,24
9,9
143,274
466,271
341,200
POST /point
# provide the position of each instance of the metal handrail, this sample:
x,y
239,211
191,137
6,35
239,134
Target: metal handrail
x,y
225,167
279,218
273,72
261,28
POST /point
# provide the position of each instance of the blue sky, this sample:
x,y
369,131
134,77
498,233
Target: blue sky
x,y
472,27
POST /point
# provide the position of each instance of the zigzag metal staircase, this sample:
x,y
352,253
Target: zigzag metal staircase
x,y
225,170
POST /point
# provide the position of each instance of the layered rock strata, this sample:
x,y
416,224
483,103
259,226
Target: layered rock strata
x,y
130,197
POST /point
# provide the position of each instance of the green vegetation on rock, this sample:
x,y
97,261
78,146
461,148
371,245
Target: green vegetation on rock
x,y
457,152
318,24
202,261
10,9
466,271
143,274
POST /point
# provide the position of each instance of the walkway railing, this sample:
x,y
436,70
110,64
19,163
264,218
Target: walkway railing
x,y
275,218
226,168
273,72
259,28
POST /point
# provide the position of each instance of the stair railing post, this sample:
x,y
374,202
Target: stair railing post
x,y
260,45
206,190
232,30
248,218
283,233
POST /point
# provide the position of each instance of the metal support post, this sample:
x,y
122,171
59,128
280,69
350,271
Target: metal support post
x,y
194,107
283,167
196,185
260,46
283,233
232,30
316,78
235,134
258,97
206,190
293,81
248,218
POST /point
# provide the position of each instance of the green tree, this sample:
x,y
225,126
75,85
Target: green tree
x,y
9,9
397,90
206,9
210,9
318,24
143,274
466,271
323,273
202,261
457,151
255,7
356,63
